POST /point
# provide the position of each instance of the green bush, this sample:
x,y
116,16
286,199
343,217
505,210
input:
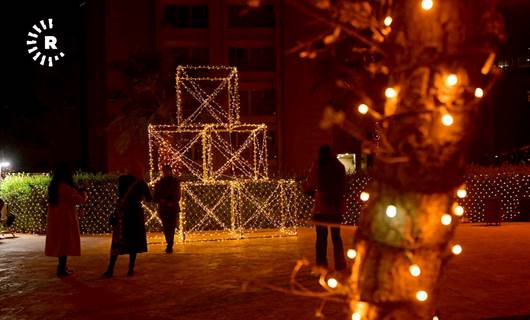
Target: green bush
x,y
27,194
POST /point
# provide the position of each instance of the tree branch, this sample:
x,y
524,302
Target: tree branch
x,y
304,7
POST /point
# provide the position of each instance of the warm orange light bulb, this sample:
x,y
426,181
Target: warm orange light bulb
x,y
365,196
427,4
456,249
447,119
479,93
351,253
451,80
461,193
422,295
415,270
332,283
390,93
391,211
362,108
446,219
388,21
459,211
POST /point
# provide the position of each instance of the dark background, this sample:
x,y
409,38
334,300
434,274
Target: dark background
x,y
42,109
47,113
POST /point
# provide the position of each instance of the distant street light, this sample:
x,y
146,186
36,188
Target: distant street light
x,y
3,164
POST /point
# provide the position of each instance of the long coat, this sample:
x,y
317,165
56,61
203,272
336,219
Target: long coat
x,y
62,231
329,181
128,234
167,195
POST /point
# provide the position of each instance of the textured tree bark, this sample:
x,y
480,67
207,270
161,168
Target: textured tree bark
x,y
422,160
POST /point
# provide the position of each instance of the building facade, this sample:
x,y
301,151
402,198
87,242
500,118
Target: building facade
x,y
275,88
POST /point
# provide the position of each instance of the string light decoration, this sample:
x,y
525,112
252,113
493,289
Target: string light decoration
x,y
351,253
210,152
362,108
238,208
220,105
420,89
30,203
508,184
414,270
227,161
427,4
209,142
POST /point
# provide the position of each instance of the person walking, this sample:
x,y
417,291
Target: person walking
x,y
327,180
167,196
62,230
128,234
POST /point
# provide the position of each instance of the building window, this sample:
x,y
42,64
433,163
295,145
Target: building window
x,y
257,102
186,16
252,59
241,16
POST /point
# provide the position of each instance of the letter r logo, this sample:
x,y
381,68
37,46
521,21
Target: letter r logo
x,y
50,42
35,40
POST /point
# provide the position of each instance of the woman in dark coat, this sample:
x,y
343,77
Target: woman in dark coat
x,y
328,178
167,195
128,234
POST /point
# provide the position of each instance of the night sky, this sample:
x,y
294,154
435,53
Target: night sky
x,y
40,107
43,110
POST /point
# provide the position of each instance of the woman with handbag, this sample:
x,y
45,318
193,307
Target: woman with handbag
x,y
62,230
128,234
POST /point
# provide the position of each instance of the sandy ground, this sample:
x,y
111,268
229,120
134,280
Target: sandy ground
x,y
202,280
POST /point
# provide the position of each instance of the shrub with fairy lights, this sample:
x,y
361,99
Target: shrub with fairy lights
x,y
27,197
239,206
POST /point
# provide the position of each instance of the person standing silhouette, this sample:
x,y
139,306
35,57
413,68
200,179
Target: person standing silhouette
x,y
128,234
167,195
62,230
328,178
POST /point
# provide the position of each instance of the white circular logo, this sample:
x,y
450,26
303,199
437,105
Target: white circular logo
x,y
37,37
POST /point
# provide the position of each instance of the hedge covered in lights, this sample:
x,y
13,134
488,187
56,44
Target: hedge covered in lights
x,y
509,184
27,194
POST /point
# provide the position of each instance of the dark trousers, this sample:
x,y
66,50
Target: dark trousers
x,y
322,247
169,224
114,257
61,267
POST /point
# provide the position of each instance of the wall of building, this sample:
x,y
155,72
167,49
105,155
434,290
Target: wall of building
x,y
279,90
130,31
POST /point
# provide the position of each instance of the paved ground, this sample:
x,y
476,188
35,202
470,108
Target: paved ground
x,y
202,280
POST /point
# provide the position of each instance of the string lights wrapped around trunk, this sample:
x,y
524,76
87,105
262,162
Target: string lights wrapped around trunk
x,y
416,71
230,194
